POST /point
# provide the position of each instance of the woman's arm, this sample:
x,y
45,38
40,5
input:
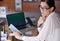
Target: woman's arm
x,y
26,38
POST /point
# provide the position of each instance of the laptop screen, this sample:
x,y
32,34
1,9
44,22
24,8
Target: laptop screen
x,y
17,19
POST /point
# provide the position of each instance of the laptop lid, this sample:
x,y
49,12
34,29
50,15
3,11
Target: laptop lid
x,y
17,19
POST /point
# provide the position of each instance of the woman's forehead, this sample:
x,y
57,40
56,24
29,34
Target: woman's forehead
x,y
44,4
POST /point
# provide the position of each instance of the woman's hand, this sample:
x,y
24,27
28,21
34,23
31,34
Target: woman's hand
x,y
17,35
41,21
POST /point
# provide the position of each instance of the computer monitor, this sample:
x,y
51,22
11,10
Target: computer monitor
x,y
17,19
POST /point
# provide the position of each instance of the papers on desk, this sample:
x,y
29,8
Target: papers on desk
x,y
3,36
14,29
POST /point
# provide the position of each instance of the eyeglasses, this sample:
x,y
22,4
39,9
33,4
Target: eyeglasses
x,y
44,9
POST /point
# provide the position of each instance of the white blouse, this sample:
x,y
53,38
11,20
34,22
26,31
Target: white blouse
x,y
50,30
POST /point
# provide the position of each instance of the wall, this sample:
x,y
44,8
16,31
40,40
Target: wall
x,y
27,6
9,4
30,6
57,6
33,6
32,14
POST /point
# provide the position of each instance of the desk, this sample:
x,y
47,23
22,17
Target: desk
x,y
7,29
32,29
34,32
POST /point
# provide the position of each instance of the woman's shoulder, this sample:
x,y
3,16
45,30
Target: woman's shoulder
x,y
53,16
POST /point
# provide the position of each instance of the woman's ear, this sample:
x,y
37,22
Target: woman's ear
x,y
52,8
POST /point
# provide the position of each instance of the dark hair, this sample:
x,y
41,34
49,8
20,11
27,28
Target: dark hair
x,y
51,3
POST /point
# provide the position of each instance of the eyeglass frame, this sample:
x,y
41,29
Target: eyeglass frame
x,y
44,9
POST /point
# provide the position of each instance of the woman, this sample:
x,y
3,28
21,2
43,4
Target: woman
x,y
48,24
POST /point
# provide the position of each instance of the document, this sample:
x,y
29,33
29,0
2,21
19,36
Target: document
x,y
14,29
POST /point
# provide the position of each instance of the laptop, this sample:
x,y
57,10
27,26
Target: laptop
x,y
17,19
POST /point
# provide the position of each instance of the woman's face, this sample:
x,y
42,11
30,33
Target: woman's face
x,y
45,9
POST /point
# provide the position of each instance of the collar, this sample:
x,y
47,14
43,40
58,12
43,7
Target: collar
x,y
51,13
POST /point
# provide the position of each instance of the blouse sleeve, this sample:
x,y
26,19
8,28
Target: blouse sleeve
x,y
32,38
26,38
36,38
